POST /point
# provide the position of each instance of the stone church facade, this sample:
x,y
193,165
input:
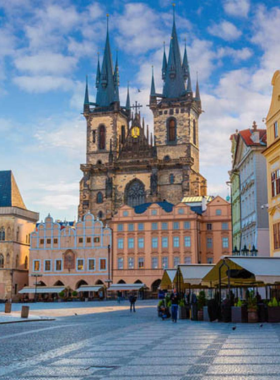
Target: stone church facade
x,y
125,163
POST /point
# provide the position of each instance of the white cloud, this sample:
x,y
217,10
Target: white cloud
x,y
47,63
58,201
237,54
225,30
40,84
239,8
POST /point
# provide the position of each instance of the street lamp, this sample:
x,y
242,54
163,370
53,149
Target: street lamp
x,y
254,251
36,276
245,250
235,252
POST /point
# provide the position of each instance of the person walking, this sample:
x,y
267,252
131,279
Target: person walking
x,y
119,296
132,300
174,305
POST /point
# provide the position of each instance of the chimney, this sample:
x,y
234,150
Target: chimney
x,y
203,204
255,137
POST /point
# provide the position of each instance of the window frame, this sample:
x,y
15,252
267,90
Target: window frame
x,y
77,265
88,266
45,261
33,265
55,264
106,264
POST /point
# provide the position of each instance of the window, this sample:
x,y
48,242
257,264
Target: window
x,y
91,264
80,264
135,193
209,243
131,243
194,132
99,197
154,242
224,226
96,240
209,226
164,226
187,225
154,212
225,242
164,242
218,212
276,235
164,262
102,264
120,227
123,134
171,179
181,211
175,225
18,234
154,226
101,137
1,261
154,262
140,226
187,241
17,260
171,130
276,129
125,213
209,260
275,182
140,242
176,242
100,215
131,263
140,262
120,263
187,260
58,265
49,241
2,233
80,239
41,241
88,240
26,262
47,265
36,265
130,227
120,243
93,136
176,261
55,241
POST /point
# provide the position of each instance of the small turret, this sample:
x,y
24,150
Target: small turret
x,y
98,74
86,100
164,63
127,106
197,93
153,98
185,65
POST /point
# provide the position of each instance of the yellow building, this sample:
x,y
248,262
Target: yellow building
x,y
272,155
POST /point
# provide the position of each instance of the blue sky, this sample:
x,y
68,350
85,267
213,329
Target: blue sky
x,y
48,47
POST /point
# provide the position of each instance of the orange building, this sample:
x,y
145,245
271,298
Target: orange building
x,y
154,236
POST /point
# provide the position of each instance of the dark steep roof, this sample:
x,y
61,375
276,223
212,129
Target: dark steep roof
x,y
5,188
166,206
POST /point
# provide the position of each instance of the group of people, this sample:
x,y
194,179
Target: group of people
x,y
164,310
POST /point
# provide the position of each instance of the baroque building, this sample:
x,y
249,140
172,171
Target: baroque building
x,y
125,163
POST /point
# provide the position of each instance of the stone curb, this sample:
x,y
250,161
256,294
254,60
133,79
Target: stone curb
x,y
28,320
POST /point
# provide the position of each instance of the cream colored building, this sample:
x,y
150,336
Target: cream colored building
x,y
272,155
16,224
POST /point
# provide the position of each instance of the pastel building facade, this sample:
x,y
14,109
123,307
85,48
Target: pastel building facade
x,y
272,156
70,254
249,165
16,224
154,236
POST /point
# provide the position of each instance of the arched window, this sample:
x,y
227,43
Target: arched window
x,y
171,130
100,214
25,262
18,234
171,178
17,259
101,137
166,158
2,233
8,258
194,132
99,197
1,261
99,162
123,134
135,193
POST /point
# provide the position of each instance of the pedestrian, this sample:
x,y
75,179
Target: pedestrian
x,y
119,296
132,300
174,305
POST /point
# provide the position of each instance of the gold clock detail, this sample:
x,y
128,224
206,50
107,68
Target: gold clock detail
x,y
135,132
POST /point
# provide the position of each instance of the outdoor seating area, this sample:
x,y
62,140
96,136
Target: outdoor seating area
x,y
236,289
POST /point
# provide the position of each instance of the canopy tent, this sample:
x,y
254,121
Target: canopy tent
x,y
89,288
41,289
168,278
192,274
244,271
123,287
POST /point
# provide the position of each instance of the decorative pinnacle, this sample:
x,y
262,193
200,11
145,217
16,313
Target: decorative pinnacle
x,y
107,15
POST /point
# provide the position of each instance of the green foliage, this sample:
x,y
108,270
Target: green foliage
x,y
273,303
182,303
61,294
252,301
201,300
239,303
169,303
161,303
74,293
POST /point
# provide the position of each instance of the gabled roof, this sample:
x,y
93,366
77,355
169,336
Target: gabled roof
x,y
166,206
9,193
246,135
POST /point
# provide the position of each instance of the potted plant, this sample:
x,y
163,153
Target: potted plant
x,y
74,294
61,296
252,308
273,311
160,304
201,302
239,312
182,309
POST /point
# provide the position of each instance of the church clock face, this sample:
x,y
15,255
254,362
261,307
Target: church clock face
x,y
135,132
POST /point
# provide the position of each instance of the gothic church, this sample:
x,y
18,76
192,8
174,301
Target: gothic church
x,y
125,163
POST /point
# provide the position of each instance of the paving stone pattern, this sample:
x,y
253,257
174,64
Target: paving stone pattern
x,y
141,346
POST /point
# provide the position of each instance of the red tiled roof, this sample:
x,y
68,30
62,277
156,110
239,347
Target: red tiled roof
x,y
247,133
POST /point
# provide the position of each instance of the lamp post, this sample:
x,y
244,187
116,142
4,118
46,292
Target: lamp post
x,y
36,276
254,251
235,252
245,250
109,269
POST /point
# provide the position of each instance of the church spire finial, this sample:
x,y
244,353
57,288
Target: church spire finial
x,y
197,92
127,106
86,100
153,88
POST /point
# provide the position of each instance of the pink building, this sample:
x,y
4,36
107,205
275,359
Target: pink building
x,y
70,254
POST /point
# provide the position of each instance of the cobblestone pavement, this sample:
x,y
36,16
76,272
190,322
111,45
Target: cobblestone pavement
x,y
122,345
